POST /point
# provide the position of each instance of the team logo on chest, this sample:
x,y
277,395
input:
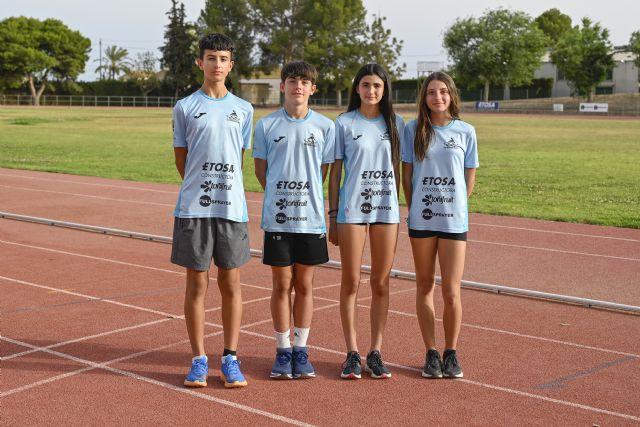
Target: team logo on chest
x,y
233,117
450,144
385,136
310,141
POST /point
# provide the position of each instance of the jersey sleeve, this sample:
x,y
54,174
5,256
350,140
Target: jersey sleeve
x,y
328,151
246,130
259,142
400,126
407,143
471,155
339,146
179,127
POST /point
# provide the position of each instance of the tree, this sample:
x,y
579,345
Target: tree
x,y
384,48
336,41
36,51
634,46
114,62
554,24
584,56
233,18
178,52
501,47
143,72
282,30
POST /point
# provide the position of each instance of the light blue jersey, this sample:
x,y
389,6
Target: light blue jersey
x,y
214,131
369,193
295,150
439,199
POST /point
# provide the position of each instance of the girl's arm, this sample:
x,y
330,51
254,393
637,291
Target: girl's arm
x,y
470,178
407,182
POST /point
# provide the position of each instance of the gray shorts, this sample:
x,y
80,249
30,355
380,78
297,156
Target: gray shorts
x,y
197,240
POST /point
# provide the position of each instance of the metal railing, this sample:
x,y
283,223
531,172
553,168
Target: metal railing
x,y
90,101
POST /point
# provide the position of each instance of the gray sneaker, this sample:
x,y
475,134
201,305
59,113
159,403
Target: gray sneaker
x,y
432,365
451,366
375,366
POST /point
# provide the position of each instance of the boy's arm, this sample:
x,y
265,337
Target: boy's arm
x,y
334,189
325,169
261,171
180,154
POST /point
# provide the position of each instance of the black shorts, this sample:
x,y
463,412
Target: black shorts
x,y
422,234
285,249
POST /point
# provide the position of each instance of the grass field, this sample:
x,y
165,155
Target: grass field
x,y
556,168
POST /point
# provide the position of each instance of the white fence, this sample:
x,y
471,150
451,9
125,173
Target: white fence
x,y
91,101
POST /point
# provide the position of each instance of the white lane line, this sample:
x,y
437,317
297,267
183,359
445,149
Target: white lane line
x,y
175,193
89,337
335,304
163,270
554,250
118,187
477,383
333,351
173,387
563,233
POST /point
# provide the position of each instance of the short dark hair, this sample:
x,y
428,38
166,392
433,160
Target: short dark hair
x,y
299,69
215,41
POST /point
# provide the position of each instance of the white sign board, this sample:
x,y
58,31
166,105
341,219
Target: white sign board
x,y
594,107
558,107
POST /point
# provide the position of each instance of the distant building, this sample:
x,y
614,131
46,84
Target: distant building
x,y
262,91
624,78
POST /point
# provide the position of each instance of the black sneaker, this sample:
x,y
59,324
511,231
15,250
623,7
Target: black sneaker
x,y
451,367
351,367
432,365
375,366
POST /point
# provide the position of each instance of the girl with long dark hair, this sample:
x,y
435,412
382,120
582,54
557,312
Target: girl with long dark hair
x,y
368,141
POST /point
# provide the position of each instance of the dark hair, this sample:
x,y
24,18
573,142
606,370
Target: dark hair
x,y
215,41
386,106
300,69
424,128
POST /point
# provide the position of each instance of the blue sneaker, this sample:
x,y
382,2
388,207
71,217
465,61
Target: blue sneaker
x,y
302,368
282,366
230,372
197,376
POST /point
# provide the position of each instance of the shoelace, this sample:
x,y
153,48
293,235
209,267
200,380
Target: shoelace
x,y
199,367
352,360
434,362
451,360
284,358
375,361
301,357
233,367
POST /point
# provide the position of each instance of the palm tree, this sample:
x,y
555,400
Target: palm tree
x,y
115,61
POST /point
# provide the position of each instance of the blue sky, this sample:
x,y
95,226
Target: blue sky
x,y
138,25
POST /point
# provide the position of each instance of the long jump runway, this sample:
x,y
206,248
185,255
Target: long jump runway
x,y
92,327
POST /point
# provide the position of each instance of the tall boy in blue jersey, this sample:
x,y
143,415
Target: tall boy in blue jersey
x,y
212,128
293,148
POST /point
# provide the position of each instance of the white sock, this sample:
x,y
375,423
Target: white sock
x,y
300,336
282,339
232,357
204,356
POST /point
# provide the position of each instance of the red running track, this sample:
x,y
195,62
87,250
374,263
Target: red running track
x,y
92,330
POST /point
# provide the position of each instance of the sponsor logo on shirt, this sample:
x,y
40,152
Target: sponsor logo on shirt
x,y
368,193
210,186
438,180
377,175
217,167
281,218
284,203
206,201
357,137
197,116
427,214
310,141
429,199
367,208
280,138
292,185
233,117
